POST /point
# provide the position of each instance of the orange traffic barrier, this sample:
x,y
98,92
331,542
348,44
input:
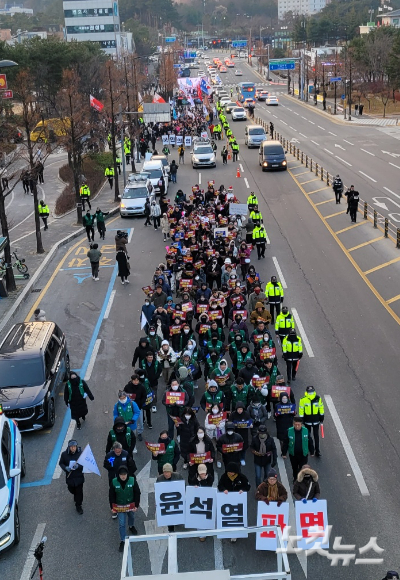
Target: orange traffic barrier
x,y
238,172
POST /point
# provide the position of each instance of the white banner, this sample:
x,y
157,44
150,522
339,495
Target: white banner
x,y
201,507
312,524
165,139
271,515
179,140
170,503
87,460
232,513
238,209
172,139
188,141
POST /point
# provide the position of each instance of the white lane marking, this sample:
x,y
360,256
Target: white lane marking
x,y
280,274
312,122
334,134
11,200
130,235
304,337
340,159
390,163
392,192
246,182
315,143
365,175
322,129
92,360
296,113
275,116
303,118
109,305
302,556
30,559
293,129
68,436
369,152
241,167
289,109
267,238
346,446
302,134
21,222
199,178
340,147
284,122
328,151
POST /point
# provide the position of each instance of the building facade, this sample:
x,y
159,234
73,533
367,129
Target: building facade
x,y
300,7
390,19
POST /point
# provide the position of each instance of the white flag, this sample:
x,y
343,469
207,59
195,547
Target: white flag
x,y
143,319
88,461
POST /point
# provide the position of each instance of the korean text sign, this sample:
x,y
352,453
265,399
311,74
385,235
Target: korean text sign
x,y
232,513
201,507
170,503
312,524
271,515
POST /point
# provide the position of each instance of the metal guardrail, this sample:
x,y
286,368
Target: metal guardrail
x,y
378,221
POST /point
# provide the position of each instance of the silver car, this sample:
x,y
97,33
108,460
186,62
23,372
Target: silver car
x,y
203,155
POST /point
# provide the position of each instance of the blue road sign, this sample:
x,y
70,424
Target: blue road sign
x,y
281,65
177,65
239,43
343,97
170,38
335,79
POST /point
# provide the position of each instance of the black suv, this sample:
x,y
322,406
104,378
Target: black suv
x,y
34,361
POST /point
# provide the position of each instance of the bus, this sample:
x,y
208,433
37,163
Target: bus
x,y
246,90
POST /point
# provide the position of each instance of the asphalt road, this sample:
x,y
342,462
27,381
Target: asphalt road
x,y
350,357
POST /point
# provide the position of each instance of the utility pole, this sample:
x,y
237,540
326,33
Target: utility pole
x,y
334,106
350,87
249,50
323,88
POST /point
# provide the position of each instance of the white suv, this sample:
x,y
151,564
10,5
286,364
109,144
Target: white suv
x,y
138,189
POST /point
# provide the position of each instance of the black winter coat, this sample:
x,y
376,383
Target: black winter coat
x,y
234,456
240,483
112,462
77,403
121,437
209,447
140,353
244,433
136,393
187,431
248,373
74,477
270,457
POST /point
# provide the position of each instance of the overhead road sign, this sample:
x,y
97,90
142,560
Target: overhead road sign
x,y
335,79
239,43
282,64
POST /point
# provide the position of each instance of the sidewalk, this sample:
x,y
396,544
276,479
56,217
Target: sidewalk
x,y
61,231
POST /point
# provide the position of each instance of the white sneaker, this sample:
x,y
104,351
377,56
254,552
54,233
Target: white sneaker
x,y
242,462
96,279
154,409
135,450
127,281
269,415
93,278
219,464
122,282
195,386
185,466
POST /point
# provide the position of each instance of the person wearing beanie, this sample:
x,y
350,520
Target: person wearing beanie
x,y
141,351
271,489
166,356
240,417
123,434
299,444
306,486
201,443
229,438
149,397
284,412
264,450
76,391
136,392
311,408
125,492
74,472
168,474
212,396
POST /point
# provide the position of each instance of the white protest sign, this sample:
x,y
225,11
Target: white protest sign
x,y
188,141
232,513
312,524
165,139
238,209
204,134
201,507
170,503
172,139
271,515
179,139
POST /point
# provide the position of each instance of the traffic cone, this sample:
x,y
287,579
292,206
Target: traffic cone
x,y
238,172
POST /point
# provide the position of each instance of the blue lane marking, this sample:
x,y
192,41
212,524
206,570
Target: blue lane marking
x,y
48,476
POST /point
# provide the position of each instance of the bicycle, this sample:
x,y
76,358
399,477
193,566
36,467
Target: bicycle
x,y
19,264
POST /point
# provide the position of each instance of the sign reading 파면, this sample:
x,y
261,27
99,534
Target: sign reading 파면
x,y
232,513
155,447
238,209
312,524
271,515
170,503
174,398
201,507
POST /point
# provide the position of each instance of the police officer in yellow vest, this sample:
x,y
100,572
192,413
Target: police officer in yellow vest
x,y
84,193
311,408
292,352
235,150
44,213
256,215
274,293
259,239
252,201
118,161
109,173
127,151
284,322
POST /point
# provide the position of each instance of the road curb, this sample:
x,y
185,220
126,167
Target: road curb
x,y
32,281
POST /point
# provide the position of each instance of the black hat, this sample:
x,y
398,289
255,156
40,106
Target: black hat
x,y
123,469
310,389
262,429
232,467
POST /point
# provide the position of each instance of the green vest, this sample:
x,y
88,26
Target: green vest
x,y
99,216
241,361
232,334
81,390
304,440
127,413
242,395
218,331
218,347
124,495
128,435
168,456
88,220
213,400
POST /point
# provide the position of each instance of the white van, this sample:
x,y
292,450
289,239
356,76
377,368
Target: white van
x,y
156,169
254,135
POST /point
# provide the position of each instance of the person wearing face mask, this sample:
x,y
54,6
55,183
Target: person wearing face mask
x,y
241,358
201,443
141,351
284,412
126,409
215,312
264,451
260,314
240,418
240,323
258,412
284,323
274,293
174,410
187,334
123,434
306,486
75,393
311,408
186,431
136,392
171,455
211,363
240,392
147,311
248,370
271,489
166,356
215,345
256,296
216,330
228,438
212,396
152,369
234,346
244,253
292,348
234,333
156,334
252,279
237,308
224,378
213,273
